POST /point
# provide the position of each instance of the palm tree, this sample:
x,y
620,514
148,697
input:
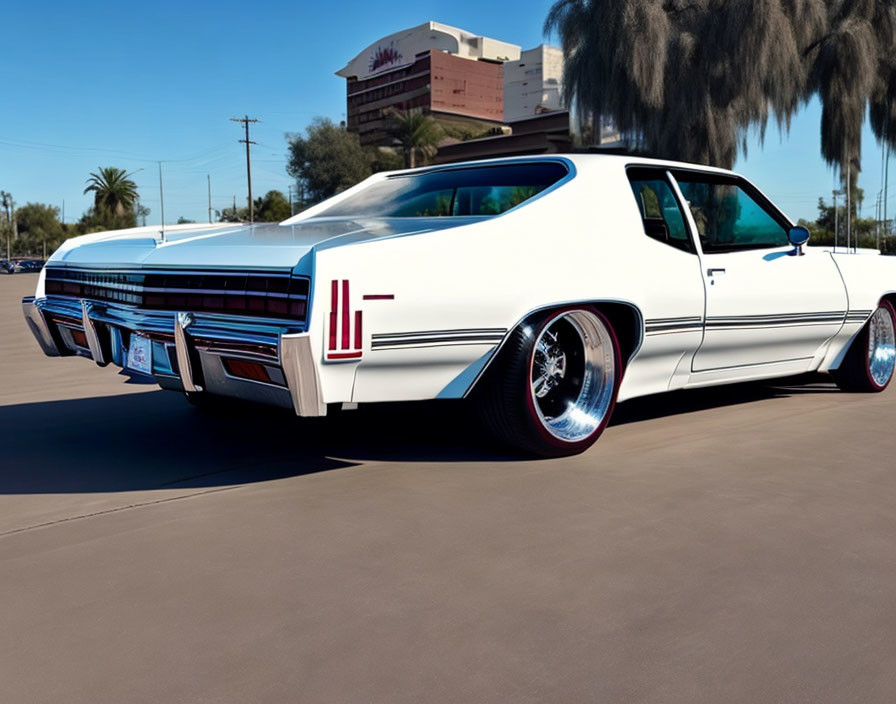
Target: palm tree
x,y
688,79
114,192
416,133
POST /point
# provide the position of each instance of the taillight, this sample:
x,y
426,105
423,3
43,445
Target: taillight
x,y
247,370
341,343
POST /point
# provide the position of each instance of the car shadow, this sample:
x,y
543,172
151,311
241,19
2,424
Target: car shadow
x,y
692,400
155,440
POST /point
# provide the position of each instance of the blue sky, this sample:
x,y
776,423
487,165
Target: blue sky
x,y
92,83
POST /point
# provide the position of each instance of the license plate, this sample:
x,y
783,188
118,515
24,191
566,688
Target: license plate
x,y
140,355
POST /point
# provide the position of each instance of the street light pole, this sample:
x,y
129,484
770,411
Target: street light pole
x,y
886,183
162,201
848,211
836,218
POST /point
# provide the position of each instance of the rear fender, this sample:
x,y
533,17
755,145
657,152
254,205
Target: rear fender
x,y
625,317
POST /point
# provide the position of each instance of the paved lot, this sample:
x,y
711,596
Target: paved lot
x,y
714,546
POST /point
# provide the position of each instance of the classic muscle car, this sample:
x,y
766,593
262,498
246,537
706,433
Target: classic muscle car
x,y
541,289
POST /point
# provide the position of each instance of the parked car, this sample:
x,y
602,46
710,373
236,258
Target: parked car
x,y
541,289
20,265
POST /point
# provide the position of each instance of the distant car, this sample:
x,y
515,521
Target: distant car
x,y
16,266
541,289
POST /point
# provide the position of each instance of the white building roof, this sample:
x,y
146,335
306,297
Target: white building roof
x,y
401,49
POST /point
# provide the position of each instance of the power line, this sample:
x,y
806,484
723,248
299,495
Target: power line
x,y
61,148
246,120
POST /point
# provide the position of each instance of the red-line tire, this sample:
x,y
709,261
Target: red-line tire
x,y
869,364
508,400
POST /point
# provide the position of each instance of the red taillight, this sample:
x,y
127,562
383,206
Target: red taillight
x,y
340,337
247,370
334,302
345,315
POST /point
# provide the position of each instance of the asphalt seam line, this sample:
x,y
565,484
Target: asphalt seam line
x,y
114,510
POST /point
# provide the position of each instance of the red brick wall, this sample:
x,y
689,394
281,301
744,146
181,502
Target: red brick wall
x,y
466,87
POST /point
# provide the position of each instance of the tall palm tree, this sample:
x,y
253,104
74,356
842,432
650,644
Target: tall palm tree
x,y
416,133
688,79
114,192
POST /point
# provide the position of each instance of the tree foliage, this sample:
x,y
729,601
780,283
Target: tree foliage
x,y
39,227
864,231
112,190
273,207
114,200
415,133
327,160
687,79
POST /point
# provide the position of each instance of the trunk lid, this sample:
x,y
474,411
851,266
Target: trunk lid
x,y
264,245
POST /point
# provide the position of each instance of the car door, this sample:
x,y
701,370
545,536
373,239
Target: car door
x,y
763,304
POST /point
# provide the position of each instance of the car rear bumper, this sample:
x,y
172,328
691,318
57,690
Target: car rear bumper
x,y
252,359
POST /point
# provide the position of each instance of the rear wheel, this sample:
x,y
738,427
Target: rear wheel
x,y
553,388
869,364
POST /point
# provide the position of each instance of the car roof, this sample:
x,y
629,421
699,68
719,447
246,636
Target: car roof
x,y
578,159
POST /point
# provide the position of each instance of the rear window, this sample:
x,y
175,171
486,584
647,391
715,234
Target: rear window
x,y
479,191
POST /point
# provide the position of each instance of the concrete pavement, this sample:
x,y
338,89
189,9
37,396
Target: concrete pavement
x,y
729,545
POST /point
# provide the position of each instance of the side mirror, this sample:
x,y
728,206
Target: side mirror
x,y
798,236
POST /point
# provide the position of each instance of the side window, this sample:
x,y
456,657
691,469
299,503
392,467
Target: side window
x,y
728,217
660,212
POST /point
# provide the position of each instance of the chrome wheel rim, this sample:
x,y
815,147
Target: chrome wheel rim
x,y
573,375
881,346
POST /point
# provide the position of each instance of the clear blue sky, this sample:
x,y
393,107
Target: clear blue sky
x,y
95,83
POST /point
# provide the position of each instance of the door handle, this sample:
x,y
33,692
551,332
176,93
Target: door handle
x,y
713,272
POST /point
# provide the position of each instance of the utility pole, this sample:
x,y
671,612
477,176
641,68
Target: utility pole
x,y
290,201
848,204
209,177
15,226
886,183
836,218
246,120
6,202
162,201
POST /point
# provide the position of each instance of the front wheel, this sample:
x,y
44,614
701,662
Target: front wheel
x,y
869,364
554,385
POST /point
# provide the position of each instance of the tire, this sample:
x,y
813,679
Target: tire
x,y
870,361
562,357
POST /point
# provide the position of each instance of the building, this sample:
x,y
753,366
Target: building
x,y
511,99
453,74
533,84
547,133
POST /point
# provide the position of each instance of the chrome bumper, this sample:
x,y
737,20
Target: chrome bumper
x,y
38,324
191,352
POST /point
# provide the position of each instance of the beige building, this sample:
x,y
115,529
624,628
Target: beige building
x,y
533,83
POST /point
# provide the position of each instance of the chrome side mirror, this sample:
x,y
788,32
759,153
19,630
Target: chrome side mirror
x,y
798,236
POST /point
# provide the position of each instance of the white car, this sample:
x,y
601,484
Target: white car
x,y
542,289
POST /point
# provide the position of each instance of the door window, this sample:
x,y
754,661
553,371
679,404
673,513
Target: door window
x,y
660,212
730,216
